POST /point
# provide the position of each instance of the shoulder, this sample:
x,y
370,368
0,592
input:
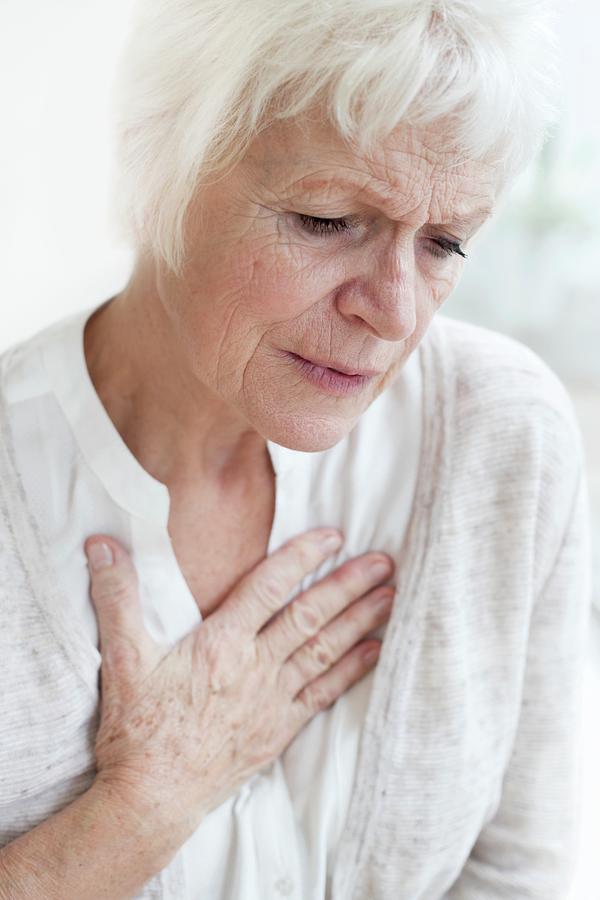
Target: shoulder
x,y
499,380
483,359
22,373
514,443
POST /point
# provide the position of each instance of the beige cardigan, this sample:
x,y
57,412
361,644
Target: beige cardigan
x,y
467,781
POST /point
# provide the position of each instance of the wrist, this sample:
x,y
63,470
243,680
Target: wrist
x,y
137,817
99,847
140,808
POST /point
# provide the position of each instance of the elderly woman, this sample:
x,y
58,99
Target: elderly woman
x,y
329,641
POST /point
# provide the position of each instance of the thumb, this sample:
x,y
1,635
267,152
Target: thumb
x,y
125,645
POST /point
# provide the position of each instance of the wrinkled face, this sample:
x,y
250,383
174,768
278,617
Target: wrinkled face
x,y
306,258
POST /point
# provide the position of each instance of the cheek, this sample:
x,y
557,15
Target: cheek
x,y
278,287
242,292
229,306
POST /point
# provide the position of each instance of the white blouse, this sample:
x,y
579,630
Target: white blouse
x,y
277,835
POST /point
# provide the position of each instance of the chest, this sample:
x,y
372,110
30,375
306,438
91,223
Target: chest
x,y
216,539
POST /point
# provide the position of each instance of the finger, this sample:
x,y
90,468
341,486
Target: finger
x,y
326,689
321,652
125,644
310,611
264,590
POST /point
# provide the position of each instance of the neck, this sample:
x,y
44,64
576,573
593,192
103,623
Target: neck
x,y
181,432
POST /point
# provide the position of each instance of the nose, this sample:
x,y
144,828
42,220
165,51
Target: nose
x,y
383,295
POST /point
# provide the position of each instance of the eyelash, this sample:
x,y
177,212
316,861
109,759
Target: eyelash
x,y
317,225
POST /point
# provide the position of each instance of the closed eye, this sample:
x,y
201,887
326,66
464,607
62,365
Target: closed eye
x,y
446,248
440,247
324,226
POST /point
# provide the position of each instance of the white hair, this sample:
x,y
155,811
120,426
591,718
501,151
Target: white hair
x,y
198,79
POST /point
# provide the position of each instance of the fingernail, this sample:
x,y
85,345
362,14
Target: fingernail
x,y
100,556
380,568
372,653
331,542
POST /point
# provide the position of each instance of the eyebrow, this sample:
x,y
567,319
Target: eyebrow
x,y
473,217
460,219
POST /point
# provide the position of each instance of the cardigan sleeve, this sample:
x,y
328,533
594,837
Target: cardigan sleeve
x,y
528,849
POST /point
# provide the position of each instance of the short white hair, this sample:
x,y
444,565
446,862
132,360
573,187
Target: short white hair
x,y
198,79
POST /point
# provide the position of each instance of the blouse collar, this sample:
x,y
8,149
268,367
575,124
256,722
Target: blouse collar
x,y
105,451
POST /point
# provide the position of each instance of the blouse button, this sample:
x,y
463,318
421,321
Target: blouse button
x,y
284,886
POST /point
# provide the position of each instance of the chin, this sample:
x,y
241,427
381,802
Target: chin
x,y
307,433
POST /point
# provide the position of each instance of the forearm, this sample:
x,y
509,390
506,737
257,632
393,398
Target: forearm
x,y
96,848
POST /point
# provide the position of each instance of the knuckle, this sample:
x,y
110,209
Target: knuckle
x,y
222,660
122,654
320,698
321,652
112,588
304,703
305,618
269,590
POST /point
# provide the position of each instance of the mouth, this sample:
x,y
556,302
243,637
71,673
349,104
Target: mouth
x,y
333,380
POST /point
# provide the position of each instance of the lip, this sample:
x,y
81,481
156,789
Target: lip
x,y
329,380
335,367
